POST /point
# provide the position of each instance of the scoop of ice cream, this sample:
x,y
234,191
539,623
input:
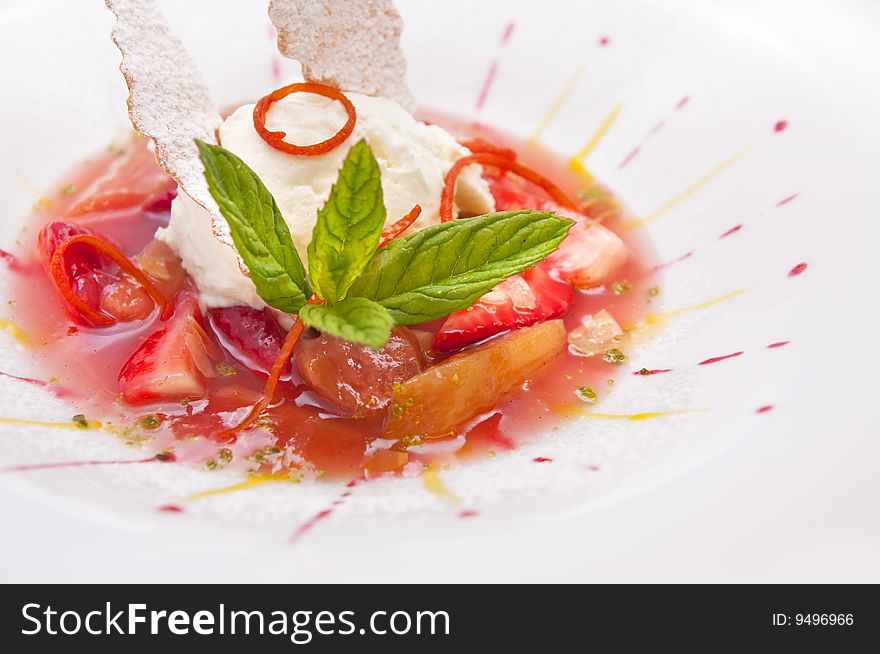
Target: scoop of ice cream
x,y
413,158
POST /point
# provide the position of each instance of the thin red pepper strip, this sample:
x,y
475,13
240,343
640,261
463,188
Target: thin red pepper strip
x,y
388,234
59,275
268,394
479,145
396,229
489,159
276,139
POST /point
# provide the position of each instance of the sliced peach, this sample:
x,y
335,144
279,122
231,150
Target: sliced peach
x,y
471,382
355,377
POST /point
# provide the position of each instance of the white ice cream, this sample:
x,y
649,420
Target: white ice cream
x,y
413,159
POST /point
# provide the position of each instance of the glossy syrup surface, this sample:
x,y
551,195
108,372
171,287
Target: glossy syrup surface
x,y
304,435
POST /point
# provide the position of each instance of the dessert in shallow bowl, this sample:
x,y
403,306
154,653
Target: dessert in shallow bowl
x,y
507,286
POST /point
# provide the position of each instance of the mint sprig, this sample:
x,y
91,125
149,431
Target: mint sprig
x,y
421,277
348,227
258,229
447,267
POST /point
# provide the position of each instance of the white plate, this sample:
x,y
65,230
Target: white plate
x,y
789,493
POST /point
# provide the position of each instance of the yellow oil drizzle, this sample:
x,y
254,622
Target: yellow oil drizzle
x,y
40,200
576,163
92,424
557,104
251,482
15,331
660,319
690,190
646,415
433,483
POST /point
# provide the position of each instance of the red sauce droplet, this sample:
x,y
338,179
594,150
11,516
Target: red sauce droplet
x,y
721,358
467,513
777,344
786,199
797,270
171,508
644,372
781,125
29,380
765,408
732,230
603,41
593,468
683,102
508,32
8,257
542,459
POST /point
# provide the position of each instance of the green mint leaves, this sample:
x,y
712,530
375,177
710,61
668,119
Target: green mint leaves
x,y
257,227
447,267
349,226
413,279
355,319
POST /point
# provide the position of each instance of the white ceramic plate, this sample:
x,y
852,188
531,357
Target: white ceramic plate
x,y
702,116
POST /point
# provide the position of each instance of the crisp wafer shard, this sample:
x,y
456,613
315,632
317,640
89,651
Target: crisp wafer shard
x,y
353,45
169,101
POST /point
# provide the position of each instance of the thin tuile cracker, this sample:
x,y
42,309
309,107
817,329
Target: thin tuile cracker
x,y
351,45
168,100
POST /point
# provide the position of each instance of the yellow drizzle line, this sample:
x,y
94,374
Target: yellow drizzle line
x,y
648,415
660,318
15,331
433,483
690,190
93,424
39,198
250,482
576,163
557,104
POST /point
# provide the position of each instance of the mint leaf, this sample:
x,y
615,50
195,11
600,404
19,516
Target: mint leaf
x,y
257,227
348,227
354,319
447,267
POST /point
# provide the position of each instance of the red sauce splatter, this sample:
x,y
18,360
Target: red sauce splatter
x,y
682,102
508,32
72,464
781,125
629,157
593,468
467,513
661,266
309,524
542,459
603,41
797,270
276,71
487,84
644,372
777,344
706,362
8,257
732,230
171,508
764,409
786,199
29,380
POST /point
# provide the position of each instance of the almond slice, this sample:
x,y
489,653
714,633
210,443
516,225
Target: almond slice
x,y
354,46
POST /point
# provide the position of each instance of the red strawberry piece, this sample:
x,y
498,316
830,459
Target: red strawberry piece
x,y
516,302
172,364
251,336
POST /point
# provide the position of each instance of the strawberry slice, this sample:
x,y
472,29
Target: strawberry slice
x,y
172,364
96,281
518,301
250,335
128,180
